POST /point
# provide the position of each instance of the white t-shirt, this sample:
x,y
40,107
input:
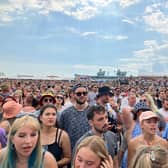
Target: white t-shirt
x,y
164,113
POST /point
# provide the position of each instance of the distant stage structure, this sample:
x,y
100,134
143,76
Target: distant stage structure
x,y
101,76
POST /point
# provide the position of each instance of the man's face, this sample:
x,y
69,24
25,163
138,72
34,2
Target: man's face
x,y
80,95
95,88
162,95
132,99
165,105
100,122
104,98
117,92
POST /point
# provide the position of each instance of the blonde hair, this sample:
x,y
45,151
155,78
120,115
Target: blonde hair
x,y
10,155
152,104
150,157
96,144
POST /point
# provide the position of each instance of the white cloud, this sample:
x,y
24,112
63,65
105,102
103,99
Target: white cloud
x,y
88,33
27,4
5,10
113,37
156,19
120,37
6,18
128,21
85,12
127,3
146,60
79,9
73,30
96,34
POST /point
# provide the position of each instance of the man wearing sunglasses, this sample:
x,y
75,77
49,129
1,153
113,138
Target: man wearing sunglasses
x,y
74,119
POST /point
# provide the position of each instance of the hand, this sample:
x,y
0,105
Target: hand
x,y
108,163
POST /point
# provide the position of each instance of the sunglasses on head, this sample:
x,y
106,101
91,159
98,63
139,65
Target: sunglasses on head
x,y
60,97
22,114
81,93
48,100
142,100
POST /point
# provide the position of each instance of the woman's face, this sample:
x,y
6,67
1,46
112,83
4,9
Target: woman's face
x,y
59,99
25,141
17,97
86,158
48,117
150,126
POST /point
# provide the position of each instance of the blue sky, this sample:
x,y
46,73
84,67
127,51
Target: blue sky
x,y
64,37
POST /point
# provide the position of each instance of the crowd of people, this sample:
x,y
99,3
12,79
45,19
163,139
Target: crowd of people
x,y
84,124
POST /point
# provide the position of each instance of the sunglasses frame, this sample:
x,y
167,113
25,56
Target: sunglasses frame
x,y
60,97
48,100
81,93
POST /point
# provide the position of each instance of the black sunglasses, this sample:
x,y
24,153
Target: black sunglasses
x,y
60,97
81,93
142,100
48,100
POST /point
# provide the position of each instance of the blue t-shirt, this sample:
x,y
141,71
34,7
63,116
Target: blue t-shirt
x,y
165,132
136,131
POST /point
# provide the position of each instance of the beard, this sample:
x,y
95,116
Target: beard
x,y
103,130
105,100
80,102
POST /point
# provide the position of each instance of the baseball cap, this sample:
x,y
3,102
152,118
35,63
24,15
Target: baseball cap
x,y
79,85
147,115
104,90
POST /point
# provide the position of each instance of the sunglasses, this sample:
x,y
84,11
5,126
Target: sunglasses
x,y
142,100
48,100
22,114
60,97
81,93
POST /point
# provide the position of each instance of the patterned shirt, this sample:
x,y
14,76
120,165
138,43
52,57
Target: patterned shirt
x,y
75,123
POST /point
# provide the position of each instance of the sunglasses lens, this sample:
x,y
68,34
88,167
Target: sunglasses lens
x,y
84,93
78,94
48,100
81,93
143,100
59,97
